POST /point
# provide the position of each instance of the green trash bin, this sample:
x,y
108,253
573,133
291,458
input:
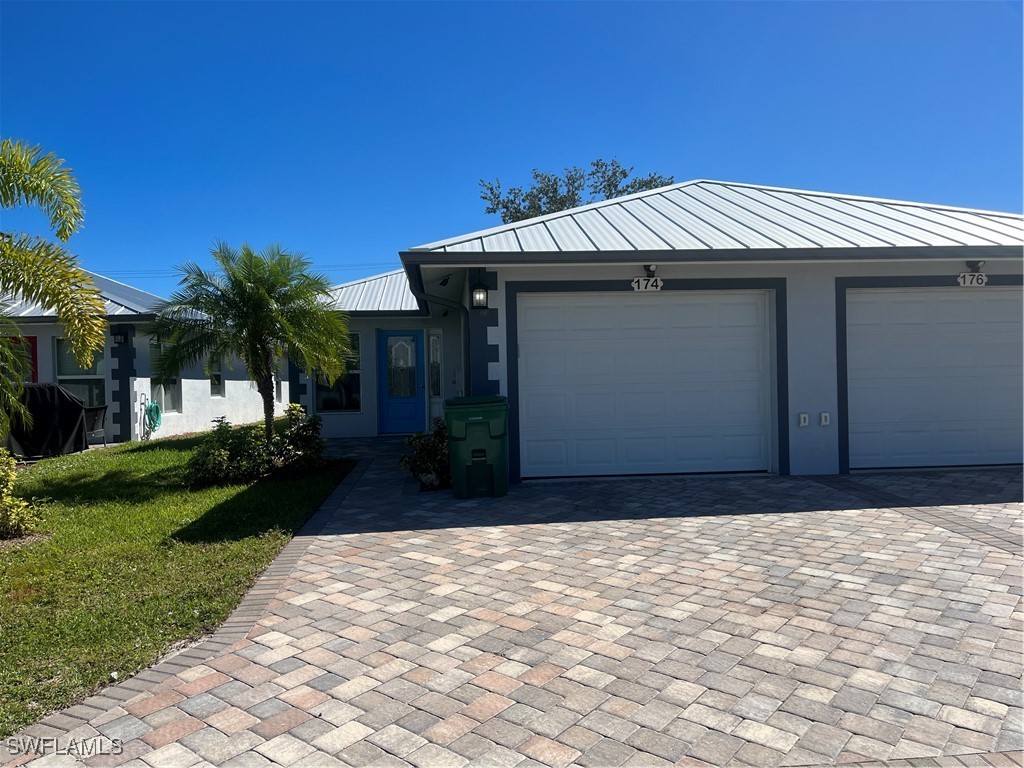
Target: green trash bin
x,y
478,445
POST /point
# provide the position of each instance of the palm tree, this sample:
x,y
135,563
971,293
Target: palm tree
x,y
257,308
34,269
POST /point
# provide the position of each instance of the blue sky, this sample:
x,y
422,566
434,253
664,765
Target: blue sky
x,y
351,131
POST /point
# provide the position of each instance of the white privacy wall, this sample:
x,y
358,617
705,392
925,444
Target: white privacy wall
x,y
811,298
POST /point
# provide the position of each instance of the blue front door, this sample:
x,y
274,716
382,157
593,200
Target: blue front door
x,y
400,375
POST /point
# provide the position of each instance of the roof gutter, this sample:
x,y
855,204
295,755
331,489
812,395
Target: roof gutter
x,y
491,259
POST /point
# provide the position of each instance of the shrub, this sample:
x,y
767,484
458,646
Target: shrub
x,y
301,446
212,460
429,460
17,516
241,454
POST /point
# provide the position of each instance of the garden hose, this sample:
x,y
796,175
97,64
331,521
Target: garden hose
x,y
153,416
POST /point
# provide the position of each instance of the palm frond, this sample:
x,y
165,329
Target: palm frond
x,y
30,176
45,273
15,368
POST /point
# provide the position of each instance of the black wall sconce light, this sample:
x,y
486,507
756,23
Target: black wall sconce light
x,y
974,266
650,269
479,297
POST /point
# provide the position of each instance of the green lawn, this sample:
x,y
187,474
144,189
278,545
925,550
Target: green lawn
x,y
134,563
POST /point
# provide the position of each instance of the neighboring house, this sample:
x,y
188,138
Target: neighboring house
x,y
120,377
707,327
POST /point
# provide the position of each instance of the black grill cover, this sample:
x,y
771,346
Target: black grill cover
x,y
58,423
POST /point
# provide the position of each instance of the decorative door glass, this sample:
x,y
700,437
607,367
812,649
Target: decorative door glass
x,y
401,366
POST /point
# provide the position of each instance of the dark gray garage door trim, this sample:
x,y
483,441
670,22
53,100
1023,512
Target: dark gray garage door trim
x,y
777,285
844,284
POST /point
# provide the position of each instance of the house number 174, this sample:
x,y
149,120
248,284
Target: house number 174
x,y
646,283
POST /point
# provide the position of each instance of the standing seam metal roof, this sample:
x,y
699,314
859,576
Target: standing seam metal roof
x,y
706,215
121,301
389,292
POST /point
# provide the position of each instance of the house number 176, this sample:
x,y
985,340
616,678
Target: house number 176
x,y
646,283
971,279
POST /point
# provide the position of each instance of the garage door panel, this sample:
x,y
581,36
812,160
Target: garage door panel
x,y
550,408
741,315
597,450
640,318
739,358
742,407
547,452
589,318
1004,311
691,317
644,451
677,382
934,377
544,359
738,404
920,400
995,354
593,406
592,365
744,449
1002,442
868,445
648,407
545,319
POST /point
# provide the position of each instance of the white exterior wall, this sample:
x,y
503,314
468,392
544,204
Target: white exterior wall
x,y
811,310
363,423
241,403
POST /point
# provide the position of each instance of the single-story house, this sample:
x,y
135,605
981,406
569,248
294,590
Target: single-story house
x,y
120,376
705,327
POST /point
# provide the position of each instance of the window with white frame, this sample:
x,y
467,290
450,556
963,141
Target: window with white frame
x,y
87,384
344,394
217,378
166,393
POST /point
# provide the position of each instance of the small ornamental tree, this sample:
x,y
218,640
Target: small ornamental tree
x,y
258,307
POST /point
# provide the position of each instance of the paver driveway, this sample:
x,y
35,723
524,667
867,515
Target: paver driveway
x,y
761,620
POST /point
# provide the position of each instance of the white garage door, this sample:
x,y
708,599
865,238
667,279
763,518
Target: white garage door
x,y
934,376
623,383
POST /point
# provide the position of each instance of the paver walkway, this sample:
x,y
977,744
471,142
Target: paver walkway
x,y
726,621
